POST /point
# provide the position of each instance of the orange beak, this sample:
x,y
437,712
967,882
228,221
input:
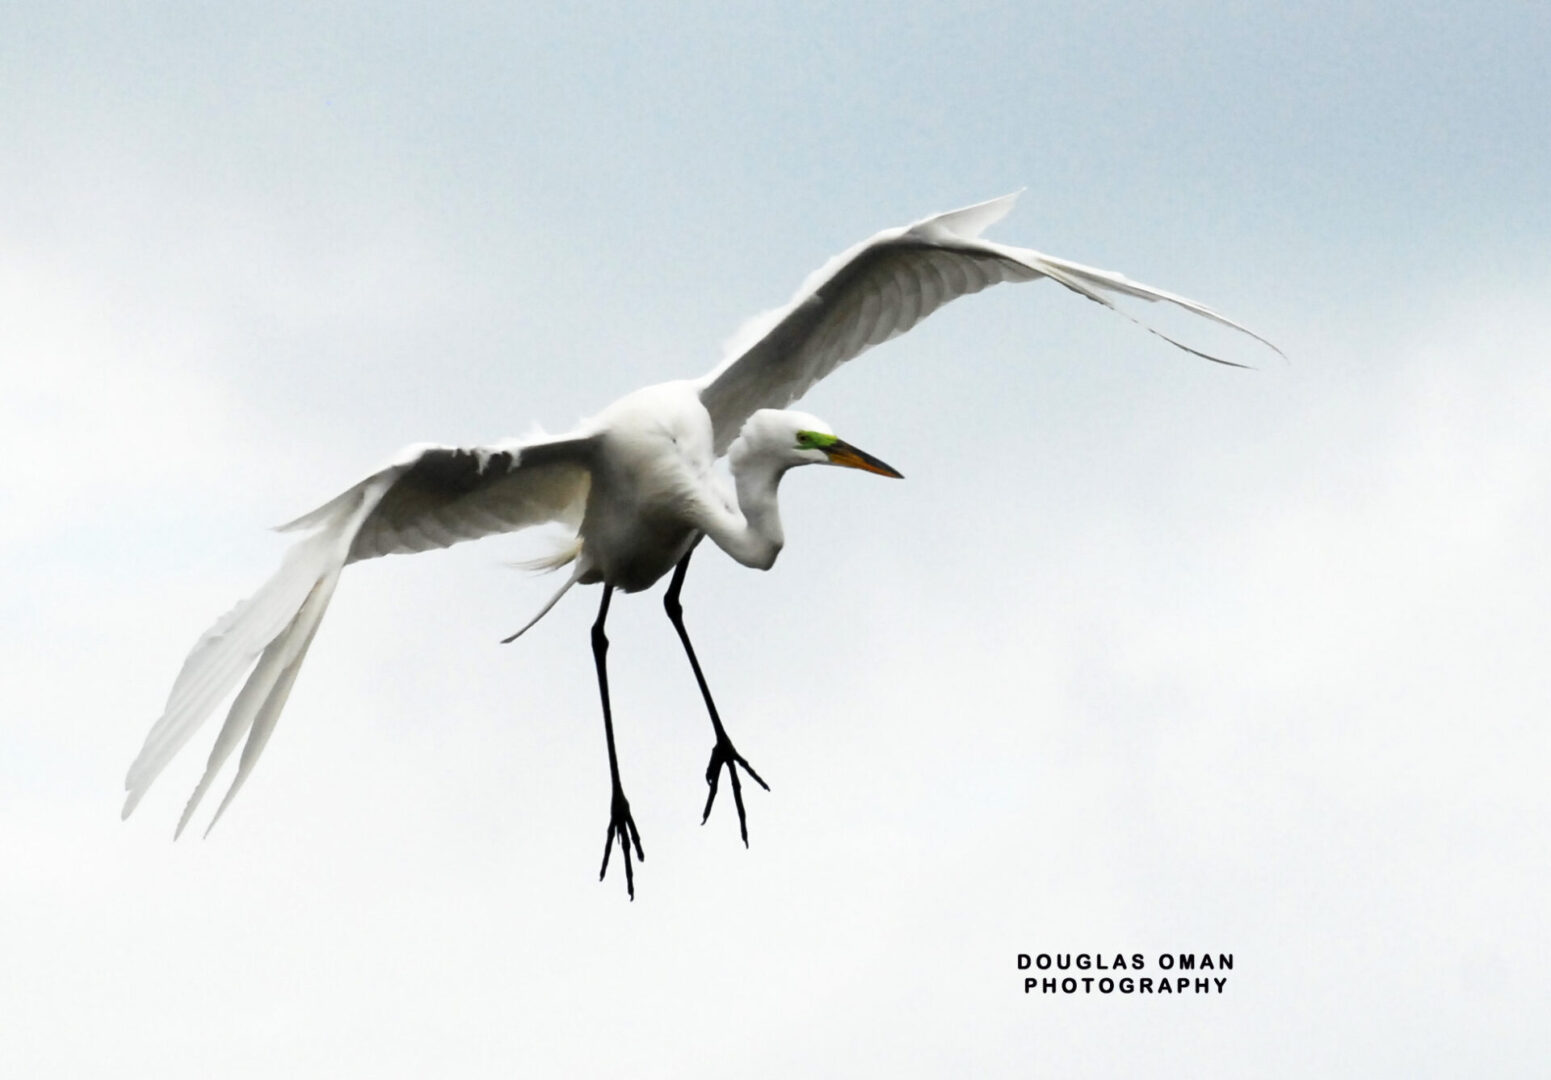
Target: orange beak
x,y
843,453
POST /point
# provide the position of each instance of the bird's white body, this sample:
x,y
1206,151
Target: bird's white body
x,y
654,488
637,482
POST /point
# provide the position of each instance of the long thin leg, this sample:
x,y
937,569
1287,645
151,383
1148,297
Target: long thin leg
x,y
621,824
723,754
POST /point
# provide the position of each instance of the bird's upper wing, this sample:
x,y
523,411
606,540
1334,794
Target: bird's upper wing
x,y
884,286
437,496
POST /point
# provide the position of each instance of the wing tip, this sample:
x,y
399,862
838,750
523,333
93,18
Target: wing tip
x,y
968,222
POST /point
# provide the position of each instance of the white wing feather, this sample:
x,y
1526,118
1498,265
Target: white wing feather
x,y
881,288
431,496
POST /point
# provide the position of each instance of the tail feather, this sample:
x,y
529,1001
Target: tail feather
x,y
563,554
274,628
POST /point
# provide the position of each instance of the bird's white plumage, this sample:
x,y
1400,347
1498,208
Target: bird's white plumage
x,y
636,482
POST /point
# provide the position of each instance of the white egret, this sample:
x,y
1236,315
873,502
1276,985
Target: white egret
x,y
636,483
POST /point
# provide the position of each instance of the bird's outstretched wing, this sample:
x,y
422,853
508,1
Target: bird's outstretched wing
x,y
429,497
884,286
443,495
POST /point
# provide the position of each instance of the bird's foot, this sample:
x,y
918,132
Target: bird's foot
x,y
622,825
725,755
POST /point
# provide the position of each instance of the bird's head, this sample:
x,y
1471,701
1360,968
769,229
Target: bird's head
x,y
793,438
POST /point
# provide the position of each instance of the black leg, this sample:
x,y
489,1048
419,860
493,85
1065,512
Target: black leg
x,y
621,824
723,754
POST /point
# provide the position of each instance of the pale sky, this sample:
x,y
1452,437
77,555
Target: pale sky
x,y
1146,654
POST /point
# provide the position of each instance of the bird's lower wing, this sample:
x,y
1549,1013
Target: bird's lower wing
x,y
430,497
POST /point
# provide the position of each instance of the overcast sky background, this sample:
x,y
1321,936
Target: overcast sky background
x,y
1146,654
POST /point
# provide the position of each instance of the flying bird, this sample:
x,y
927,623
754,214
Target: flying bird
x,y
636,483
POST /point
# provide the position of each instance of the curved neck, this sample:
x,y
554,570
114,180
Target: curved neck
x,y
754,536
